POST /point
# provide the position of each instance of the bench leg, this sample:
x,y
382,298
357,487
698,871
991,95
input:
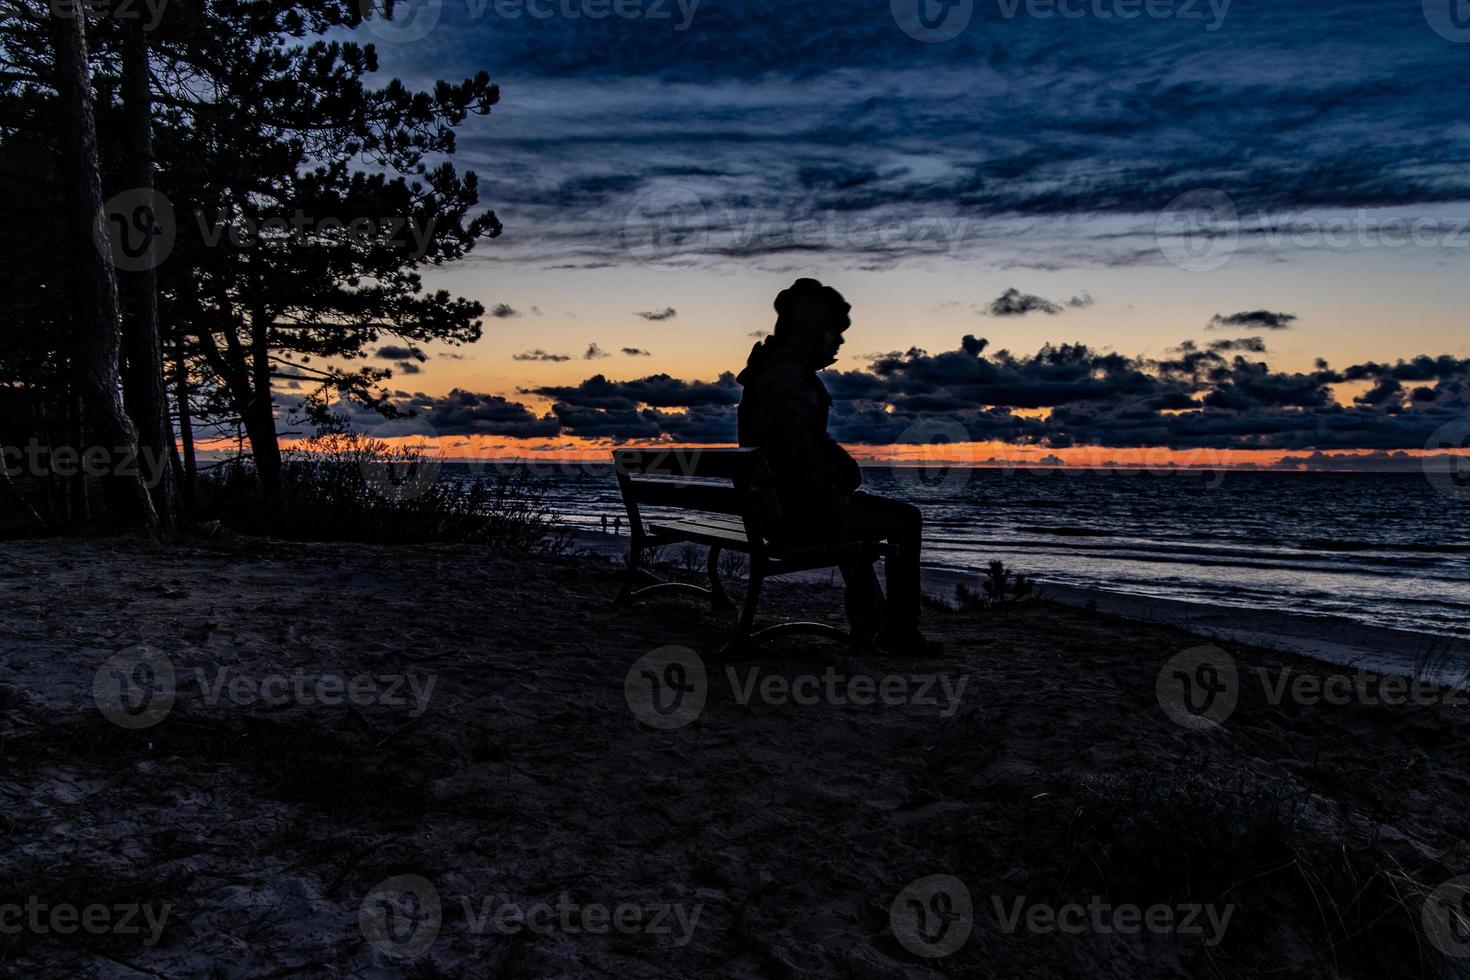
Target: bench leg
x,y
635,559
719,598
860,620
747,615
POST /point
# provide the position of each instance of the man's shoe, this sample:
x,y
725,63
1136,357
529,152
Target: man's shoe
x,y
908,643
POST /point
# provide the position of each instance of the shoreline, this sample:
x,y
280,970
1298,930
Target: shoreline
x,y
1330,640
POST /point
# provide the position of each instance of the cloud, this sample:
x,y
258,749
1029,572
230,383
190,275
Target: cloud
x,y
1254,345
540,355
504,311
637,352
1013,302
463,413
397,352
992,144
1073,396
667,313
1081,302
594,353
408,367
656,391
1253,320
1194,398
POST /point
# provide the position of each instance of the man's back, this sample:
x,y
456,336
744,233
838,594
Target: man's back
x,y
783,411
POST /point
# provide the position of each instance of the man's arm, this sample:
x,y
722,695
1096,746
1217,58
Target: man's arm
x,y
794,437
848,476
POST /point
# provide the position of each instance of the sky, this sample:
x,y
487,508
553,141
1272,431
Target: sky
x,y
1077,228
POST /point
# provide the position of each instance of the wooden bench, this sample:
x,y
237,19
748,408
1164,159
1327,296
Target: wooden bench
x,y
725,500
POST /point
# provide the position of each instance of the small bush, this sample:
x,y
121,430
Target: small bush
x,y
351,488
1000,587
734,565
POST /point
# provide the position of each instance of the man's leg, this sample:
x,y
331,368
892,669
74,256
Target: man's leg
x,y
874,518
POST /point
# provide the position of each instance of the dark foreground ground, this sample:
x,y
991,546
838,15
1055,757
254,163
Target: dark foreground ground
x,y
306,804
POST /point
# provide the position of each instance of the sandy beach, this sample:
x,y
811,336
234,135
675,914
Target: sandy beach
x,y
1332,640
345,723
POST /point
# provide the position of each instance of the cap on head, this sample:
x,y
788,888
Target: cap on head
x,y
808,307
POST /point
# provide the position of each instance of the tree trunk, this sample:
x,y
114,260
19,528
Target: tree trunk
x,y
143,386
234,367
96,330
262,423
186,430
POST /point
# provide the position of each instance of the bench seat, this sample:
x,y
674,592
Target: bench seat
x,y
723,499
729,534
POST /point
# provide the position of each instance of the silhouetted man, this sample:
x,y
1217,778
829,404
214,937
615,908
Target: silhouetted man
x,y
783,411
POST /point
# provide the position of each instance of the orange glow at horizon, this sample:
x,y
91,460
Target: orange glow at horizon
x,y
470,449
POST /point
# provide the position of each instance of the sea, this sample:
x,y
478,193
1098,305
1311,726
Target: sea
x,y
1386,549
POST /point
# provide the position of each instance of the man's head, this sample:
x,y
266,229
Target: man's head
x,y
811,318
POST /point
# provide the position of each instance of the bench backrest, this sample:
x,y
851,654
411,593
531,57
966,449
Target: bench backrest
x,y
719,481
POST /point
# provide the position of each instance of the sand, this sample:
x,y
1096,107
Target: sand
x,y
518,766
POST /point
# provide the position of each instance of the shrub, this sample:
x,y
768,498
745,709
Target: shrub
x,y
1000,587
352,488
